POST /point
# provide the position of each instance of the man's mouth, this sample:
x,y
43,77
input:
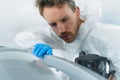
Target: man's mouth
x,y
65,37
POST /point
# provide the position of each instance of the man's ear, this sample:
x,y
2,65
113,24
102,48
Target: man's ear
x,y
77,10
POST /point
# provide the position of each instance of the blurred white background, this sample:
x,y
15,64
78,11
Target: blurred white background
x,y
15,16
18,15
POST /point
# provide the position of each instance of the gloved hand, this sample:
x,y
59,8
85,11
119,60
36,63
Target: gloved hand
x,y
40,50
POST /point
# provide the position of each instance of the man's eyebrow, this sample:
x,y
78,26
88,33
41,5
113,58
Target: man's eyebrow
x,y
59,20
51,22
64,17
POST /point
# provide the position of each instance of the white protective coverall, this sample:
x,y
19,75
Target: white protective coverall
x,y
93,38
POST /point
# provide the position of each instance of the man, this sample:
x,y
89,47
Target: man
x,y
71,34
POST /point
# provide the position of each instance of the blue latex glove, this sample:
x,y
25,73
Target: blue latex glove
x,y
40,50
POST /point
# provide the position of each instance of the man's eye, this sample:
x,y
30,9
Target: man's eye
x,y
64,20
53,24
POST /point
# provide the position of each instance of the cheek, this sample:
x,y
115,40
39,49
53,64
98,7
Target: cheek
x,y
71,25
56,31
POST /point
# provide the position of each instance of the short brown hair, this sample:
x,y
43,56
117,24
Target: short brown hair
x,y
50,3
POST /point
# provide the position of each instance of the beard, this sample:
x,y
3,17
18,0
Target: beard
x,y
67,37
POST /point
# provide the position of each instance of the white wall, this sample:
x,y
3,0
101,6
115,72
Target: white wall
x,y
111,11
17,15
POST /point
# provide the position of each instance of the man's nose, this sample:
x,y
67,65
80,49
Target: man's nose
x,y
61,28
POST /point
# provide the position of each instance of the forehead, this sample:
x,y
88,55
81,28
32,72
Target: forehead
x,y
54,13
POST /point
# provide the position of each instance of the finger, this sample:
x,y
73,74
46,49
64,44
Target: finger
x,y
37,49
43,51
49,52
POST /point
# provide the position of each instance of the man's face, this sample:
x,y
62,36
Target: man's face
x,y
63,21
